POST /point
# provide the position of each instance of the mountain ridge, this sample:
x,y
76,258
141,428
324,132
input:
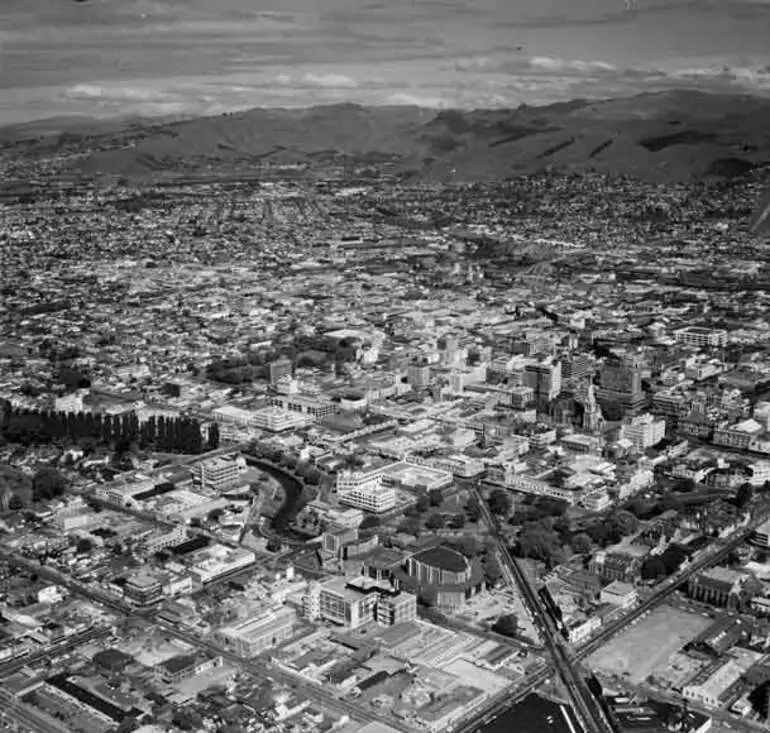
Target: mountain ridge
x,y
670,136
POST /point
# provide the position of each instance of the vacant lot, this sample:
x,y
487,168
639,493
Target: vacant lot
x,y
649,644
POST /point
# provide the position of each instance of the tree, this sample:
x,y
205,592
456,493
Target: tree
x,y
370,521
47,483
457,521
274,545
653,568
215,514
552,507
685,485
411,525
581,543
538,543
499,502
507,625
15,503
313,476
638,507
603,533
472,511
84,546
436,497
668,502
624,522
563,527
423,503
434,521
744,495
492,570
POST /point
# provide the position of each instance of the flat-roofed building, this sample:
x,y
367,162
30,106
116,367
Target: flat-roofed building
x,y
620,594
143,590
316,407
276,419
218,473
342,604
696,336
184,666
643,431
253,636
396,609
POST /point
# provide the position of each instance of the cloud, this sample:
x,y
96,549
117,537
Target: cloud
x,y
520,63
567,66
330,80
322,80
114,93
614,79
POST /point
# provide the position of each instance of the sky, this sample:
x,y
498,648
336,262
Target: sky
x,y
111,58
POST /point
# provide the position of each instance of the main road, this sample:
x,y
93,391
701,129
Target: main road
x,y
583,702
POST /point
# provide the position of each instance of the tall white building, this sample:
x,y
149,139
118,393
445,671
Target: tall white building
x,y
219,473
643,431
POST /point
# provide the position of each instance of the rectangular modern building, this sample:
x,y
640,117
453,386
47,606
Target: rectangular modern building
x,y
253,636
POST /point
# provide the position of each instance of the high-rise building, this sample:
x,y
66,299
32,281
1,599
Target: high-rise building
x,y
620,382
418,376
278,369
544,376
643,431
576,366
451,349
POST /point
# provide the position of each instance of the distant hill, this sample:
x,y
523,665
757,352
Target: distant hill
x,y
666,136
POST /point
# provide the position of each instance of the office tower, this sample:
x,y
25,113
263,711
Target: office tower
x,y
418,376
620,382
278,369
544,376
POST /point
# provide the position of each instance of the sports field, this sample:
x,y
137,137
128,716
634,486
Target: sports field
x,y
649,644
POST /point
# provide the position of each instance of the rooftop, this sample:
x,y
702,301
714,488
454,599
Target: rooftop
x,y
443,558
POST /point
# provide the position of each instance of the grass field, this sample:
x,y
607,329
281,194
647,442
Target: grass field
x,y
649,644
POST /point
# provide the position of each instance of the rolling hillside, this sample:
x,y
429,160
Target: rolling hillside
x,y
668,136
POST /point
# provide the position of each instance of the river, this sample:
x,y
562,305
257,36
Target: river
x,y
292,493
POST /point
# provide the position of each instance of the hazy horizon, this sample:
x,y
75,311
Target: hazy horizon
x,y
106,58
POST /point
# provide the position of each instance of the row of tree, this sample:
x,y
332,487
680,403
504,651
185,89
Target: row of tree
x,y
169,435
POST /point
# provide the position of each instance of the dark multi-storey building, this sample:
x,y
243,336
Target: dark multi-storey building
x,y
620,382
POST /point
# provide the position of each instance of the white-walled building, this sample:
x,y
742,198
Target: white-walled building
x,y
643,431
220,473
696,336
